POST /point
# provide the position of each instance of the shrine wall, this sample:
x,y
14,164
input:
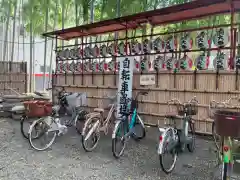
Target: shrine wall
x,y
205,85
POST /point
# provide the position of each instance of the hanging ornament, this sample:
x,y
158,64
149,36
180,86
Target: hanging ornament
x,y
78,67
111,66
95,51
61,54
72,66
158,63
170,43
59,67
102,66
237,61
135,47
117,66
145,65
87,52
72,54
137,64
202,61
186,42
121,48
94,67
169,64
79,52
65,67
202,40
158,44
111,49
221,37
146,46
67,53
220,61
185,63
58,54
103,50
86,66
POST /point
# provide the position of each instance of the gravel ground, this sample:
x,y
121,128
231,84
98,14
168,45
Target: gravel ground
x,y
67,160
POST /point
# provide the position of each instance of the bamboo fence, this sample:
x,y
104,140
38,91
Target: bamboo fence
x,y
205,85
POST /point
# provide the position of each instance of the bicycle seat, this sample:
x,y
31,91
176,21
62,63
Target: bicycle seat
x,y
98,110
172,115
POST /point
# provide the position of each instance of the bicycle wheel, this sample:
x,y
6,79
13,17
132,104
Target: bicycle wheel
x,y
118,137
139,131
216,137
46,130
91,133
191,134
165,140
79,121
25,124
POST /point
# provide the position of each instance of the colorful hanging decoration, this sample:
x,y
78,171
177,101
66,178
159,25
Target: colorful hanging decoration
x,y
86,66
94,66
146,46
121,48
145,65
158,44
202,61
158,63
202,40
78,67
111,66
117,65
186,42
135,47
87,52
103,50
137,65
95,51
72,66
79,52
185,63
220,61
170,43
72,54
59,67
111,49
237,62
67,53
221,37
169,63
103,66
65,67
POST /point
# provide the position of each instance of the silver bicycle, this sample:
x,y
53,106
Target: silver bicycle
x,y
173,140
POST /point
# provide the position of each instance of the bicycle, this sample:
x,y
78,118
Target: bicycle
x,y
173,140
128,129
96,123
225,130
52,124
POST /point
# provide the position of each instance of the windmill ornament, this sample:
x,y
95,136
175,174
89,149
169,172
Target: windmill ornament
x,y
59,67
111,66
78,67
185,63
95,51
94,66
145,65
170,63
202,40
72,54
65,67
237,61
86,66
121,48
103,50
111,49
72,66
137,65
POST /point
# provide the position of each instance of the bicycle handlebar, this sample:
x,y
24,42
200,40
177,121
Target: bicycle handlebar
x,y
174,100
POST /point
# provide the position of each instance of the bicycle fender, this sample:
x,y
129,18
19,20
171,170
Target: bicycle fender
x,y
160,146
115,129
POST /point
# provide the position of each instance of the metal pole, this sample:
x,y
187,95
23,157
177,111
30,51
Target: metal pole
x,y
31,55
45,47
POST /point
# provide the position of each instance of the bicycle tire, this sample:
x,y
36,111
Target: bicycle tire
x,y
175,156
214,134
91,122
23,120
134,135
81,117
30,139
191,147
119,124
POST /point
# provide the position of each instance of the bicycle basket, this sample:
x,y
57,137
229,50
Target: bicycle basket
x,y
227,123
190,109
38,108
107,102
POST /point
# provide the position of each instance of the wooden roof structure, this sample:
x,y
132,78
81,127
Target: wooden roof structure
x,y
173,14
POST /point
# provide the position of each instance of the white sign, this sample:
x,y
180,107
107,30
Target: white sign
x,y
146,80
125,84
